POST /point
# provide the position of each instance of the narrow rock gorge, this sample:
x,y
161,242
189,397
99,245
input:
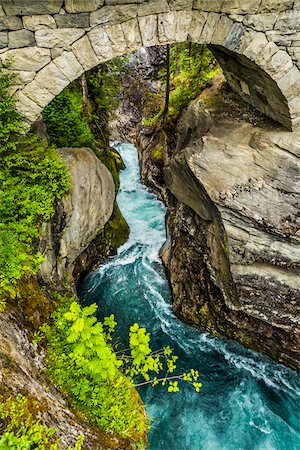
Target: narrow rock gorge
x,y
233,221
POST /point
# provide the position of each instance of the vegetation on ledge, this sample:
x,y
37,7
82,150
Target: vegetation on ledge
x,y
32,179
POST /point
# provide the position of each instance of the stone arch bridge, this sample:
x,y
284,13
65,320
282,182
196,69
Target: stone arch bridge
x,y
51,43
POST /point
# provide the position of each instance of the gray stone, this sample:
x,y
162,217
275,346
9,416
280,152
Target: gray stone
x,y
149,30
288,22
198,22
167,27
183,25
55,52
28,7
58,38
279,64
52,78
261,22
3,39
23,77
10,23
21,38
30,59
113,14
38,93
101,44
27,107
81,20
117,39
208,5
209,28
275,5
153,7
238,7
2,13
85,54
69,65
178,5
78,6
131,32
87,208
34,23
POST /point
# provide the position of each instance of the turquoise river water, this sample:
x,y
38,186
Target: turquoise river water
x,y
247,402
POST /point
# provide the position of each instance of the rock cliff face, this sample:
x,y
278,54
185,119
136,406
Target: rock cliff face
x,y
233,254
22,369
79,217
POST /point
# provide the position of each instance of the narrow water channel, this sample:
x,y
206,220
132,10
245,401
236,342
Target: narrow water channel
x,y
247,401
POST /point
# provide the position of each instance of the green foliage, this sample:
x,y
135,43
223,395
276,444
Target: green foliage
x,y
33,177
65,124
10,120
104,85
191,68
99,379
21,430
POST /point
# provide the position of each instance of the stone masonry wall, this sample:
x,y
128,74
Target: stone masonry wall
x,y
51,43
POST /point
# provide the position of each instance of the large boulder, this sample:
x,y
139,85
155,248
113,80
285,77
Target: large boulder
x,y
79,216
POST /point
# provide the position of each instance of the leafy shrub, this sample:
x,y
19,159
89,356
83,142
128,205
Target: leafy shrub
x,y
21,430
10,120
32,178
83,362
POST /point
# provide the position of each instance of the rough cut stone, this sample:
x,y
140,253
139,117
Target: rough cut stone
x,y
69,65
81,20
10,23
153,7
198,21
38,93
27,7
3,39
113,14
261,22
30,59
167,27
51,78
78,6
288,22
240,7
85,54
148,28
101,44
223,29
27,107
209,27
58,38
279,64
21,38
180,4
183,25
132,34
275,5
23,77
208,5
117,39
2,13
34,23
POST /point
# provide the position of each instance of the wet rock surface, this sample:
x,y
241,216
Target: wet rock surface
x,y
233,220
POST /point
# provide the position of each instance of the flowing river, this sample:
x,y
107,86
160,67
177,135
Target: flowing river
x,y
247,401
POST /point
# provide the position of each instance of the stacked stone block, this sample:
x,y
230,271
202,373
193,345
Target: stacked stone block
x,y
50,43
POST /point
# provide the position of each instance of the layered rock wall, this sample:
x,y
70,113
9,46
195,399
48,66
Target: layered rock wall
x,y
238,221
52,43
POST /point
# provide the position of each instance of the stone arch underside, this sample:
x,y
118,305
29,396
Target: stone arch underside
x,y
63,46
